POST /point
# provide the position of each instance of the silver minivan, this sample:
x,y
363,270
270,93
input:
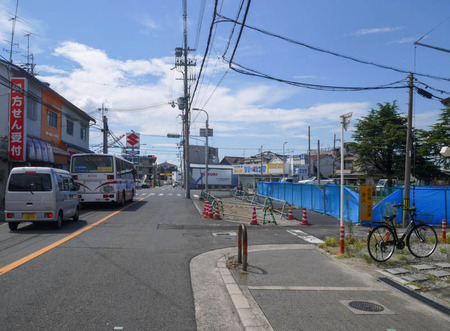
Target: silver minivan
x,y
40,194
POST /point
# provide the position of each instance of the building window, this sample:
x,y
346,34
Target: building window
x,y
83,134
69,128
52,119
348,165
31,109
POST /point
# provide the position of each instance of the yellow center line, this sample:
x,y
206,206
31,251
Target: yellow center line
x,y
32,256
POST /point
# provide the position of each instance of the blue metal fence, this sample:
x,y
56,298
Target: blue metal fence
x,y
325,199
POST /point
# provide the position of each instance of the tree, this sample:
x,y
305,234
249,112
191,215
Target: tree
x,y
430,142
380,142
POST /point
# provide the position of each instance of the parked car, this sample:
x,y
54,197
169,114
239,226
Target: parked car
x,y
40,194
287,180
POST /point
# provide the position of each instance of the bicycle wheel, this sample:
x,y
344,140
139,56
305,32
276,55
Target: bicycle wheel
x,y
422,240
381,243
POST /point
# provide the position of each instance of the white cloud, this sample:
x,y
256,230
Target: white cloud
x,y
376,30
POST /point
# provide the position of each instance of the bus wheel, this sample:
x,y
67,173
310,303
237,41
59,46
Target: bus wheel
x,y
13,225
122,199
132,196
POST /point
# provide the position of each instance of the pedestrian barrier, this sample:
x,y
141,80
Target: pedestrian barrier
x,y
305,217
242,246
444,230
268,206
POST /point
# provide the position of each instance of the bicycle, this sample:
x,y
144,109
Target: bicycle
x,y
421,239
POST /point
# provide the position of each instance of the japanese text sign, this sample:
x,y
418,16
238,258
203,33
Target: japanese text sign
x,y
366,203
17,122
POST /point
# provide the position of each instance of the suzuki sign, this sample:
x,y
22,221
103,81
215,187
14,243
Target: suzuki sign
x,y
133,140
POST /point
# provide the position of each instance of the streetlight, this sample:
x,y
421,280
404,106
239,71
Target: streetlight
x,y
283,157
207,147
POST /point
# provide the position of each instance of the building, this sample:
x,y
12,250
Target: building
x,y
40,127
197,154
146,169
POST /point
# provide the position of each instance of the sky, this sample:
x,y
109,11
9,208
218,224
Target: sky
x,y
121,54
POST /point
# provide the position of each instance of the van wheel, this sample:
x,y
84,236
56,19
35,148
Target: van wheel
x,y
132,196
13,225
76,217
59,220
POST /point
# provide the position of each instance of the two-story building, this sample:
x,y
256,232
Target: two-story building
x,y
39,127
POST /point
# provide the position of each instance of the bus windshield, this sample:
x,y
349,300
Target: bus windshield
x,y
92,164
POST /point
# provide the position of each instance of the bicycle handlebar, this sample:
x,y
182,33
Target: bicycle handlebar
x,y
401,205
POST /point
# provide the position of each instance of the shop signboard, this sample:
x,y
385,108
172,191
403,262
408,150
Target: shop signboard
x,y
17,120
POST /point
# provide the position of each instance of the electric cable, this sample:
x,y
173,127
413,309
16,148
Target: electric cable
x,y
318,49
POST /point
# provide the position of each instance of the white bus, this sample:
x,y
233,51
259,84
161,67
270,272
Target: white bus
x,y
103,178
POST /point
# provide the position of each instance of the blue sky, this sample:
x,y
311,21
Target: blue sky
x,y
120,53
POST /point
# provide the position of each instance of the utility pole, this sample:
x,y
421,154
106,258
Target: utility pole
x,y
105,129
181,61
406,194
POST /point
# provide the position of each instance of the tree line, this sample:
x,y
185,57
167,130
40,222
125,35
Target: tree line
x,y
380,142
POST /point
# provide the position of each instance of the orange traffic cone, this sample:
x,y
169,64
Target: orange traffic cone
x,y
254,220
217,213
205,209
290,216
210,213
305,217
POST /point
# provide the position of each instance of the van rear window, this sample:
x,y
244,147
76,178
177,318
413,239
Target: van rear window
x,y
30,182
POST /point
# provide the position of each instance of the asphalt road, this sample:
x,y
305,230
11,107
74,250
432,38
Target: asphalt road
x,y
114,269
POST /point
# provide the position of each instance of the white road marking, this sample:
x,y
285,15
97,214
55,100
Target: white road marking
x,y
304,236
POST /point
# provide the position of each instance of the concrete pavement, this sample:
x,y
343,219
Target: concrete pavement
x,y
299,287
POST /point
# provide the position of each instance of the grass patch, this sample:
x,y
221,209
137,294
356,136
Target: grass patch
x,y
444,250
431,277
332,242
366,258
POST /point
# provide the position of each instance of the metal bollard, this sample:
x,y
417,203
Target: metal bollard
x,y
242,246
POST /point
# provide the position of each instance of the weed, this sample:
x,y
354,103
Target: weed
x,y
366,258
431,277
444,250
417,284
403,258
408,267
331,242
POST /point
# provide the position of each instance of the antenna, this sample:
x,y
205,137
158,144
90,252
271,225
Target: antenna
x,y
30,64
14,19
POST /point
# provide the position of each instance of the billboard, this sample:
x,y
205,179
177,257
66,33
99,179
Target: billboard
x,y
133,140
215,176
17,120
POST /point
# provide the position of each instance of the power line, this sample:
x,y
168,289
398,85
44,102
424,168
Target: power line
x,y
252,72
318,49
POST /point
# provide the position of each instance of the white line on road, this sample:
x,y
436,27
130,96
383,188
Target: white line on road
x,y
304,236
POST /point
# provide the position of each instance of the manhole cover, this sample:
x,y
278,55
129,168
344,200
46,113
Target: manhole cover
x,y
366,306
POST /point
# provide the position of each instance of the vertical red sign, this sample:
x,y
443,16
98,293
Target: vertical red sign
x,y
17,116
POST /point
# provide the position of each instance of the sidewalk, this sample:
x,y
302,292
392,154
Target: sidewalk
x,y
298,287
301,287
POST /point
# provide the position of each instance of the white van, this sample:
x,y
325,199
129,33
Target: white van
x,y
38,194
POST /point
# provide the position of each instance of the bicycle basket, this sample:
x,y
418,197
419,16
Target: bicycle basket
x,y
422,217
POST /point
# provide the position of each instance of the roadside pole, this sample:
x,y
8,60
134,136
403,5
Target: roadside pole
x,y
345,121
